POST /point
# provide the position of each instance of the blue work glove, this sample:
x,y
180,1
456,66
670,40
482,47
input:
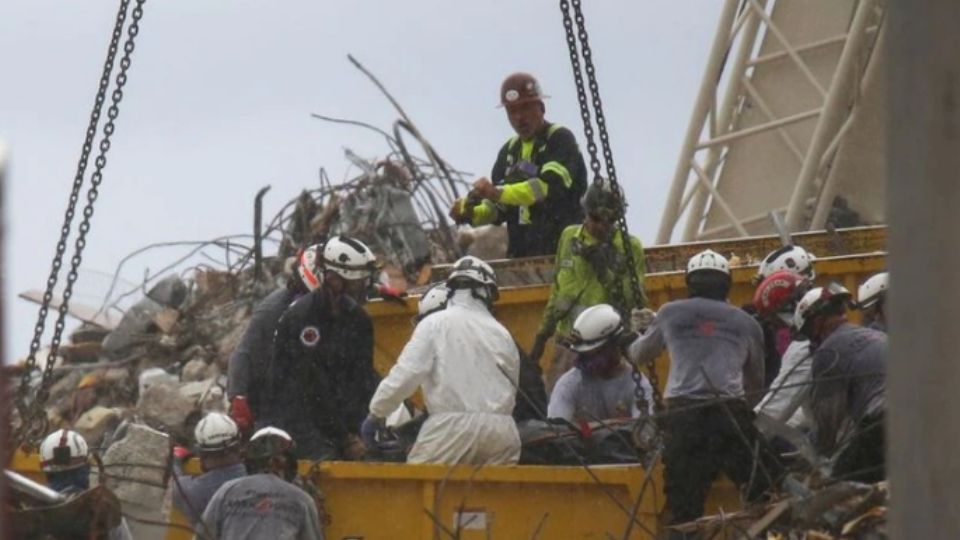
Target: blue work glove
x,y
369,429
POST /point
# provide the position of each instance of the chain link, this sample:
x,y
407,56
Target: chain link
x,y
28,428
575,51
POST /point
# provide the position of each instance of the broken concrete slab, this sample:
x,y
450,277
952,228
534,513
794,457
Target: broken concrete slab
x,y
135,466
137,324
85,313
164,407
166,320
194,370
169,291
96,421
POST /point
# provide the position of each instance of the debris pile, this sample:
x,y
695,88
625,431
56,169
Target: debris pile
x,y
842,510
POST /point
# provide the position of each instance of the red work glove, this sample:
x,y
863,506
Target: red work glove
x,y
181,452
241,414
390,294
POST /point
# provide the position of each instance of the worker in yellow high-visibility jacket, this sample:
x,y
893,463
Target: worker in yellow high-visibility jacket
x,y
537,180
591,268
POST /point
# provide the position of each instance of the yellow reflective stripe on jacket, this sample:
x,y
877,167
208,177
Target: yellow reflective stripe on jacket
x,y
484,213
559,169
524,193
526,150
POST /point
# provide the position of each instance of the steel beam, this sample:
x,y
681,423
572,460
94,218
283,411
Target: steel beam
x,y
725,115
718,51
834,113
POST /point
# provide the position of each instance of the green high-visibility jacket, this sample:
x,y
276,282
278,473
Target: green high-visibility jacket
x,y
579,284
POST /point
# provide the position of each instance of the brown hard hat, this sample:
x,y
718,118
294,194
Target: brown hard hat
x,y
519,88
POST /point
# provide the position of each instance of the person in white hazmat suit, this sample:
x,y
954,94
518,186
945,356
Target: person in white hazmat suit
x,y
468,366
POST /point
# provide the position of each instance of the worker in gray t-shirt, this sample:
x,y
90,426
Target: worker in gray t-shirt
x,y
848,394
716,369
220,449
264,505
601,385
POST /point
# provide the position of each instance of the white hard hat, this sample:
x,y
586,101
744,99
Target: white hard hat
x,y
271,441
63,450
349,258
595,327
792,258
873,290
307,268
708,260
433,300
216,432
815,300
475,270
270,431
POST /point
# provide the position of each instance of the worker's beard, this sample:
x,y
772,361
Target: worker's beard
x,y
599,364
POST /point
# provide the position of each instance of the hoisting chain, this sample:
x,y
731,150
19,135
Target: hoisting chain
x,y
30,429
575,53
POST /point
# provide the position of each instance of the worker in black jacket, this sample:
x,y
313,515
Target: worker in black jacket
x,y
322,376
250,360
537,180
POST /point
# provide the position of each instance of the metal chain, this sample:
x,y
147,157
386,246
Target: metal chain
x,y
96,178
588,67
78,179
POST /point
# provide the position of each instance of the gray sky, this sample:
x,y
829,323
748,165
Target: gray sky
x,y
220,92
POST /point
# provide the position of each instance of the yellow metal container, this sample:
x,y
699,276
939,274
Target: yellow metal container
x,y
425,502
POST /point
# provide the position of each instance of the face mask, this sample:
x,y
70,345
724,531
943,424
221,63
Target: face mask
x,y
70,481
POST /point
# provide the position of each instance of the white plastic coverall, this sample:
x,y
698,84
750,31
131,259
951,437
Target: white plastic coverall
x,y
468,366
789,396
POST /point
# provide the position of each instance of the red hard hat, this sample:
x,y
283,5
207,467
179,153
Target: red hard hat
x,y
779,293
519,88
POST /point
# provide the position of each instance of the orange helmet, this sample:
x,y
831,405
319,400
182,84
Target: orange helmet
x,y
520,88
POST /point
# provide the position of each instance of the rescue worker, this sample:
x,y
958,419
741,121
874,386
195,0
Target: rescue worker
x,y
777,337
263,505
872,299
788,399
716,369
322,377
537,180
218,444
248,363
591,269
532,399
64,460
848,393
467,365
602,385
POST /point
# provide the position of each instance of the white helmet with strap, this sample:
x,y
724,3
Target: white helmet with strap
x,y
792,258
474,271
349,258
873,290
308,269
216,432
594,327
63,450
708,260
815,301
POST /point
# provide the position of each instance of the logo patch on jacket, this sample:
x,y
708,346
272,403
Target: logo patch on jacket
x,y
310,336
